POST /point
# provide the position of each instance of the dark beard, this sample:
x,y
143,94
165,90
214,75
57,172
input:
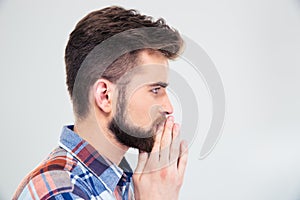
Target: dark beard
x,y
130,135
135,137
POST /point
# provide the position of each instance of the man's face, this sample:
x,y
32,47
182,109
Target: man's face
x,y
142,102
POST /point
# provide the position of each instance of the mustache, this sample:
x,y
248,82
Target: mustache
x,y
161,119
158,122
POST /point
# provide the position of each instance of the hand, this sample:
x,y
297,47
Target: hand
x,y
160,175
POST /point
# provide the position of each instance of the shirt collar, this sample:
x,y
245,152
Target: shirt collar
x,y
108,173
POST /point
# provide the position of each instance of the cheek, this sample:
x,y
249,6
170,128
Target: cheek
x,y
140,110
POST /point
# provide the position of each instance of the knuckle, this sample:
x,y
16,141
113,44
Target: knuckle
x,y
163,173
179,183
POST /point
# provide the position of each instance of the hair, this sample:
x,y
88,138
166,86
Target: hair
x,y
99,26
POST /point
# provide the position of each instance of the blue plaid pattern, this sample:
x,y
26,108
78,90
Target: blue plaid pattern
x,y
75,170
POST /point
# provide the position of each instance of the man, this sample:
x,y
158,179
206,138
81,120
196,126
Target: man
x,y
117,71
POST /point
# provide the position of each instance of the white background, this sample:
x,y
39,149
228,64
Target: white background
x,y
255,45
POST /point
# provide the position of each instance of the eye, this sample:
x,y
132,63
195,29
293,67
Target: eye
x,y
155,90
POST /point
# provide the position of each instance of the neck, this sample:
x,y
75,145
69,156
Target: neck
x,y
96,133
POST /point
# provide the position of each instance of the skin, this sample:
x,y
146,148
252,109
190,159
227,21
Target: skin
x,y
146,101
147,97
158,174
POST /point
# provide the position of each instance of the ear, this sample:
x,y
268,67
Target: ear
x,y
102,92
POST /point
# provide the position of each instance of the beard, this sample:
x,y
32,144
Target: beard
x,y
133,136
129,134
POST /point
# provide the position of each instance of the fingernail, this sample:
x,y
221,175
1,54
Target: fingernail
x,y
171,119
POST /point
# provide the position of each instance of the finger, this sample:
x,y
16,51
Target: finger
x,y
153,160
142,160
166,141
175,146
157,138
182,161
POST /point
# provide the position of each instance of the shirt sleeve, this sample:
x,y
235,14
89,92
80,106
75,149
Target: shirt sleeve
x,y
51,185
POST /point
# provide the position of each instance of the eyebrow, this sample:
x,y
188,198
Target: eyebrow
x,y
161,84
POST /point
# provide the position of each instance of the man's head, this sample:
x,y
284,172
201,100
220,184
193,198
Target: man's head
x,y
121,52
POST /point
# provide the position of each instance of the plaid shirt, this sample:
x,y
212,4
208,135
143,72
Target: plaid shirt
x,y
75,170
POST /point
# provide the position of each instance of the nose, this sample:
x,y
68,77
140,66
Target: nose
x,y
167,106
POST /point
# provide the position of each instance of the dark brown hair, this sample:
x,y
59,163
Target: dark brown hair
x,y
99,26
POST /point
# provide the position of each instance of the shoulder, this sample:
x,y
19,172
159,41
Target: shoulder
x,y
51,179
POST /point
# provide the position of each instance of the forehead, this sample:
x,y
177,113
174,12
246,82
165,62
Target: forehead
x,y
153,67
152,57
149,74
